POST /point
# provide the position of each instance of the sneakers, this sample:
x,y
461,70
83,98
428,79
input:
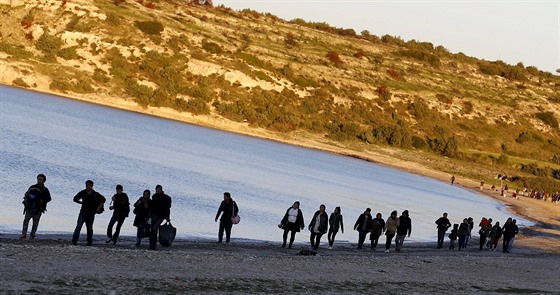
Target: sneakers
x,y
31,238
23,236
329,247
109,240
387,251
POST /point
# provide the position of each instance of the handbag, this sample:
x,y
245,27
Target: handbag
x,y
167,234
234,219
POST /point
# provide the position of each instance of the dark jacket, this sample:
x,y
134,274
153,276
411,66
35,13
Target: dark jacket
x,y
161,205
142,211
509,230
377,226
496,232
463,229
299,224
361,220
443,223
121,205
228,210
335,222
454,234
90,202
405,225
36,199
323,225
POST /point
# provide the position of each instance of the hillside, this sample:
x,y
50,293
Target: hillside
x,y
305,83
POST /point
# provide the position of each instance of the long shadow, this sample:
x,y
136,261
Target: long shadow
x,y
532,231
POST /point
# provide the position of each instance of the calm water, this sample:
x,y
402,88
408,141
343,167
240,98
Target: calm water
x,y
71,141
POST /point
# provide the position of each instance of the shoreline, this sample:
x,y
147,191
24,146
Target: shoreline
x,y
544,235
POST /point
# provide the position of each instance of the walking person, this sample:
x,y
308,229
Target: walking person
x,y
92,203
335,223
35,202
508,232
391,226
485,228
515,232
228,209
463,232
377,229
121,208
143,212
442,225
292,223
363,226
318,226
403,229
470,220
453,236
452,179
495,235
161,209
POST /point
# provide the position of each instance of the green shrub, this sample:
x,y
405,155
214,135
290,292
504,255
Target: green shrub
x,y
149,27
100,75
142,94
113,19
468,107
304,82
49,45
263,76
534,169
212,47
548,118
444,98
68,53
16,51
418,142
443,143
421,55
523,137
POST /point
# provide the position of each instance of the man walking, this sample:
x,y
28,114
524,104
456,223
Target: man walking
x,y
442,225
161,209
92,203
121,208
404,229
35,204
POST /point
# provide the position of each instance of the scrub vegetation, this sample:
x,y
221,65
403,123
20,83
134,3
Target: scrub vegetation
x,y
360,91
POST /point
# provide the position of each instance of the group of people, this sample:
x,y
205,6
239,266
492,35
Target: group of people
x,y
321,223
150,212
489,234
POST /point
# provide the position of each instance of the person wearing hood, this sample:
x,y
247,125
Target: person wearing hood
x,y
391,226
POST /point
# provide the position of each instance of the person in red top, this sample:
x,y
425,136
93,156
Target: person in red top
x,y
485,228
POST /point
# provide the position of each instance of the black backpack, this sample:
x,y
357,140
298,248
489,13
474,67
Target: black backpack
x,y
32,201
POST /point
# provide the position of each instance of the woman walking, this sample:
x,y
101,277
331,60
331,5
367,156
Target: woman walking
x,y
292,222
391,229
143,212
318,226
335,222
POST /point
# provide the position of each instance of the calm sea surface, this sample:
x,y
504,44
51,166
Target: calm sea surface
x,y
72,141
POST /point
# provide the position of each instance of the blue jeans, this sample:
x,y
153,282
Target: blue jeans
x,y
361,237
440,237
156,222
87,218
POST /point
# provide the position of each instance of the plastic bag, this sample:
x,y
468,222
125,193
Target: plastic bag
x,y
167,234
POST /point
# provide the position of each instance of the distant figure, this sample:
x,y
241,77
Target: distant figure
x,y
161,209
470,221
452,179
442,225
453,236
481,184
404,229
318,226
335,222
391,226
363,225
228,208
485,228
292,222
377,229
463,232
121,208
515,232
35,202
495,235
143,212
92,203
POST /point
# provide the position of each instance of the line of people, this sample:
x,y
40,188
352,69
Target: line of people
x,y
489,234
150,212
293,222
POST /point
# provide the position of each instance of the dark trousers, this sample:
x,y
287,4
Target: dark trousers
x,y
315,239
331,236
119,219
361,237
292,236
440,238
462,239
36,216
87,218
224,225
140,230
156,222
482,241
374,240
389,240
505,244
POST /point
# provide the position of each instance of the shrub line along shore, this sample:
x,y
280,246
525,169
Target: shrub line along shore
x,y
544,235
